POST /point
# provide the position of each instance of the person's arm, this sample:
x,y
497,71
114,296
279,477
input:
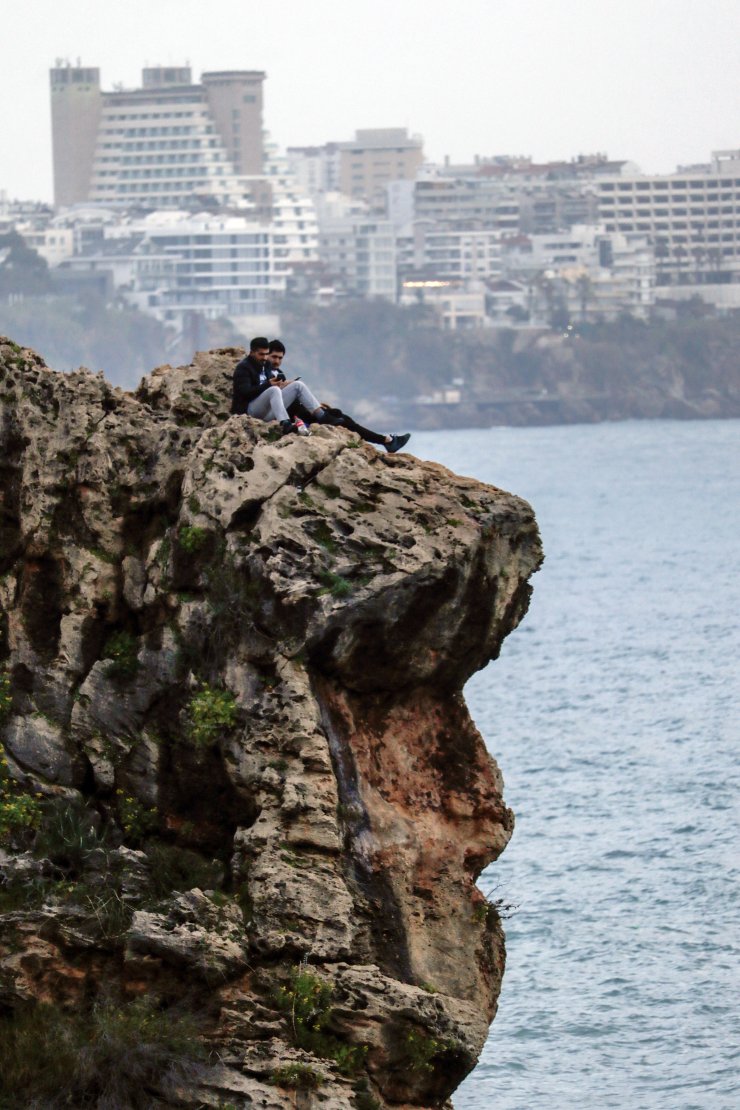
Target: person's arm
x,y
247,385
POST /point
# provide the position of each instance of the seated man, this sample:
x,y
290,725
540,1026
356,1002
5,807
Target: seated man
x,y
392,443
259,391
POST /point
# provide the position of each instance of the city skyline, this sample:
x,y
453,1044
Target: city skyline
x,y
549,80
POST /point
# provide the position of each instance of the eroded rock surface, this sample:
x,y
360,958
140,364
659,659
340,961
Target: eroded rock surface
x,y
239,768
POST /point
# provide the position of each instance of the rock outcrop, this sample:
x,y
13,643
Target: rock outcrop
x,y
240,784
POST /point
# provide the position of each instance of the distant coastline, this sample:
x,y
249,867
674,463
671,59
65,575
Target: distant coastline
x,y
553,410
394,368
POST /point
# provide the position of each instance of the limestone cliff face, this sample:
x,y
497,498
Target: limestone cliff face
x,y
230,675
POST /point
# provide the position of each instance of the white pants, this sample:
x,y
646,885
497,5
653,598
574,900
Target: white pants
x,y
273,403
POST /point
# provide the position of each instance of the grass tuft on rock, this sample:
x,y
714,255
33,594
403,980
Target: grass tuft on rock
x,y
298,1077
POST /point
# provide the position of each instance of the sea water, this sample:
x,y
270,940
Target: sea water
x,y
613,713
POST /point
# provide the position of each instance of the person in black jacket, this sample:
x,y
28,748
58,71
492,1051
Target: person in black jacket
x,y
392,443
259,391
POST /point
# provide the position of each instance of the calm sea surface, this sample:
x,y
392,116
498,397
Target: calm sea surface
x,y
613,713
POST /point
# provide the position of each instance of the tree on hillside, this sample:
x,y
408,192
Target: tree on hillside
x,y
585,287
22,270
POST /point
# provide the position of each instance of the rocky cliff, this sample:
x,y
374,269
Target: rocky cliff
x,y
242,804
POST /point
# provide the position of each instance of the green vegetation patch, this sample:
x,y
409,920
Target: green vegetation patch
x,y
122,648
210,713
329,489
323,535
192,539
299,1077
20,811
334,584
306,999
172,868
424,1053
118,1053
69,833
136,819
104,556
6,695
364,1100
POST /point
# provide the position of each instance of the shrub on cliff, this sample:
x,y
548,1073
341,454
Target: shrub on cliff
x,y
122,650
116,1054
20,812
307,1001
6,695
210,712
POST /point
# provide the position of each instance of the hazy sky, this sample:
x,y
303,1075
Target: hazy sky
x,y
656,81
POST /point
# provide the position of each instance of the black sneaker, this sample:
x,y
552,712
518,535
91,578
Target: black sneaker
x,y
286,427
397,443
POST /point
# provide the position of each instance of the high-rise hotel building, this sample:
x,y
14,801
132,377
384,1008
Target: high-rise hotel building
x,y
160,146
692,217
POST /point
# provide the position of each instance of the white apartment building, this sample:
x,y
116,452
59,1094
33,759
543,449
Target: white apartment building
x,y
174,265
469,201
359,255
598,273
514,193
400,203
692,218
223,265
128,265
160,158
293,216
439,252
527,255
315,168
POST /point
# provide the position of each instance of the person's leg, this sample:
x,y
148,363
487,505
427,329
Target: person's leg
x,y
392,443
299,392
364,433
269,405
297,409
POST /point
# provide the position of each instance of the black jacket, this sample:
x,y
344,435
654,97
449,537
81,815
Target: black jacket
x,y
250,379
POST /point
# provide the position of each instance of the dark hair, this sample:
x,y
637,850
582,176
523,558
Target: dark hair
x,y
257,342
277,345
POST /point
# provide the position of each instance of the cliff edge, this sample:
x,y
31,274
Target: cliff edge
x,y
242,803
